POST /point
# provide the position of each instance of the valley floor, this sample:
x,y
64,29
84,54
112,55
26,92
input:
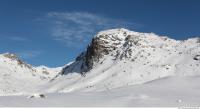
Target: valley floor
x,y
167,92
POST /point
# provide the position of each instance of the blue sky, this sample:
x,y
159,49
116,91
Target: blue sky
x,y
54,32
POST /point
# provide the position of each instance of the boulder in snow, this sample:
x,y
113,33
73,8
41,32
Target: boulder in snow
x,y
37,96
197,57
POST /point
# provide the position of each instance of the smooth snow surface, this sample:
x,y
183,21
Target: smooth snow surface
x,y
166,92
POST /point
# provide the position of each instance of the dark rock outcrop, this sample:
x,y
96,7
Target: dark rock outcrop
x,y
102,44
197,57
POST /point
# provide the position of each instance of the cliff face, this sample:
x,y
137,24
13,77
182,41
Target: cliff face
x,y
102,44
96,50
105,43
86,60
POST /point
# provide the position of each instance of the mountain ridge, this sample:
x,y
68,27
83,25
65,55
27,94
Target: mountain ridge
x,y
120,57
98,42
114,58
18,77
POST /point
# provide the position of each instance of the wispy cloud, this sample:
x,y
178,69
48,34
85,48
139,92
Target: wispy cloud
x,y
77,28
16,38
29,54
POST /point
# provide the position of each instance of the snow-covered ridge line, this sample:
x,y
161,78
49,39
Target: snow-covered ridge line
x,y
122,30
115,38
18,77
120,57
114,58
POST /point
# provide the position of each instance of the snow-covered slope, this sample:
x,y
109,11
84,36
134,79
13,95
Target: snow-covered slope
x,y
119,57
17,77
165,92
114,58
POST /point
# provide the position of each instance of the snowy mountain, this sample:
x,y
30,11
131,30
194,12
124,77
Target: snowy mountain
x,y
115,58
17,77
120,57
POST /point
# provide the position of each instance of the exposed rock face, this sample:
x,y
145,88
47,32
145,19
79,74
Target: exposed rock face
x,y
103,44
197,57
96,50
11,56
93,53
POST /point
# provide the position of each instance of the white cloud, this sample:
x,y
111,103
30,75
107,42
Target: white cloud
x,y
78,27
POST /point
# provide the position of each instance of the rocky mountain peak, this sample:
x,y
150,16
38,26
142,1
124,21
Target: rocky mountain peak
x,y
108,42
14,57
120,44
10,56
